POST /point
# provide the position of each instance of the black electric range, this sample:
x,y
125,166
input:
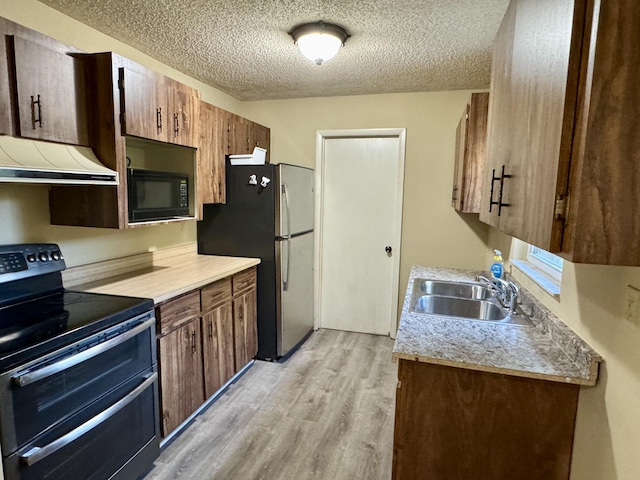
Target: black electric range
x,y
38,316
78,375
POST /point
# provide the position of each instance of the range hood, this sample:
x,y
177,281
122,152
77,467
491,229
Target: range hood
x,y
31,161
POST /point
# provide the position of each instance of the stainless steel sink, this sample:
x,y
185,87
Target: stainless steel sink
x,y
453,289
460,307
461,300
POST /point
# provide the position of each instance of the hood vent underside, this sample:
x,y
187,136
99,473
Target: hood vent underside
x,y
31,161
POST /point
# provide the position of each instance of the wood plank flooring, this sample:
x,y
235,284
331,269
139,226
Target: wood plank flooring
x,y
326,413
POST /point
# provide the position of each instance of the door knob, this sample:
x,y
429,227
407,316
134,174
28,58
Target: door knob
x,y
388,249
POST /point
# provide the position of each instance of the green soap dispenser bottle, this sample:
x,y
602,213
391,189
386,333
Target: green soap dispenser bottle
x,y
497,268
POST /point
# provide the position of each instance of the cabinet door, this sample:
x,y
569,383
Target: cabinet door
x,y
184,110
50,94
261,137
144,106
181,380
532,108
458,169
471,154
245,327
217,345
240,136
211,155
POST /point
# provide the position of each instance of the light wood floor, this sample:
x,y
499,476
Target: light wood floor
x,y
325,414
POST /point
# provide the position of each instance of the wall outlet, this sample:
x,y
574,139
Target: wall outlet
x,y
632,307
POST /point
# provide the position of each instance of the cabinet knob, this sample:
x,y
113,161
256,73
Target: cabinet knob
x,y
388,249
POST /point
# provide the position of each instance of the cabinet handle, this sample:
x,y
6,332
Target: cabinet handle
x,y
501,178
176,124
159,119
193,341
453,194
211,330
35,119
500,204
493,180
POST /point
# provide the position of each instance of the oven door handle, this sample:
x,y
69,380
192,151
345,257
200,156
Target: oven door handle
x,y
29,377
35,454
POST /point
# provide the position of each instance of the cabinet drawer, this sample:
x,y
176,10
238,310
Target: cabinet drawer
x,y
244,280
177,312
215,294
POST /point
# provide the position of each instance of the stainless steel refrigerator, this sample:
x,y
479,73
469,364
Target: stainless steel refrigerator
x,y
274,221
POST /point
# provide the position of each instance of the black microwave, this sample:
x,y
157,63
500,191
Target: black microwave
x,y
157,195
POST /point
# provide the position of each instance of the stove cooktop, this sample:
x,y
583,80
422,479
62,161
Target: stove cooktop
x,y
41,325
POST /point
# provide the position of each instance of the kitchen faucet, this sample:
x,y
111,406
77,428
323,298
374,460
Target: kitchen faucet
x,y
507,291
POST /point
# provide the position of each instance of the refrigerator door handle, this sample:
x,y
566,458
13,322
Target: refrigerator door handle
x,y
285,280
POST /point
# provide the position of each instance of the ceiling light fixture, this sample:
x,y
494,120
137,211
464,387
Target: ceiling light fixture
x,y
319,41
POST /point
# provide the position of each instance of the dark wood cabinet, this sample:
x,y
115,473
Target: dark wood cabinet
x,y
243,135
470,159
204,338
144,111
184,109
42,87
211,155
217,346
563,163
245,326
459,424
181,380
50,94
217,335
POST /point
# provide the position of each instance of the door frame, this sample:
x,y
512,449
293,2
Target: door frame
x,y
321,136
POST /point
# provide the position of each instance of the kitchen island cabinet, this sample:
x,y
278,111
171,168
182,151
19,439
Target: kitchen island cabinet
x,y
471,135
562,144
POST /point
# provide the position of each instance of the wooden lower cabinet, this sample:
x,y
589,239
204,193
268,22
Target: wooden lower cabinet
x,y
245,330
204,338
217,348
458,424
180,357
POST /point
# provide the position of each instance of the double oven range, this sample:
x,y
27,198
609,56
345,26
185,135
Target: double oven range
x,y
78,375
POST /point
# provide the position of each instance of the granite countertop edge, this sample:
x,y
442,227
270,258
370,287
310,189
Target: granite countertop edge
x,y
549,350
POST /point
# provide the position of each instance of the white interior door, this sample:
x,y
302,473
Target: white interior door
x,y
361,183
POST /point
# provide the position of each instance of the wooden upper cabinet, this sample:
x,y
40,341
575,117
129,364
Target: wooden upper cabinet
x,y
183,108
50,93
470,155
158,108
211,155
563,163
244,135
261,137
144,106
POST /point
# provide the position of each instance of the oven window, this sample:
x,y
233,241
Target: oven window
x,y
43,404
106,449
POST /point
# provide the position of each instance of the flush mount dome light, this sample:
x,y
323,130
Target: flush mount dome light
x,y
319,41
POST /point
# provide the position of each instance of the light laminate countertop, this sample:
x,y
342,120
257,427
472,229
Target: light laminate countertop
x,y
549,350
167,278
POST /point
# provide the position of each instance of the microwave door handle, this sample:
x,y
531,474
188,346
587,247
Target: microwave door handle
x,y
35,454
29,377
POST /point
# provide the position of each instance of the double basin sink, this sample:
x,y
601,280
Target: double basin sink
x,y
473,301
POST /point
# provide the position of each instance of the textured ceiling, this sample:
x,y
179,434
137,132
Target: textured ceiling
x,y
242,47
